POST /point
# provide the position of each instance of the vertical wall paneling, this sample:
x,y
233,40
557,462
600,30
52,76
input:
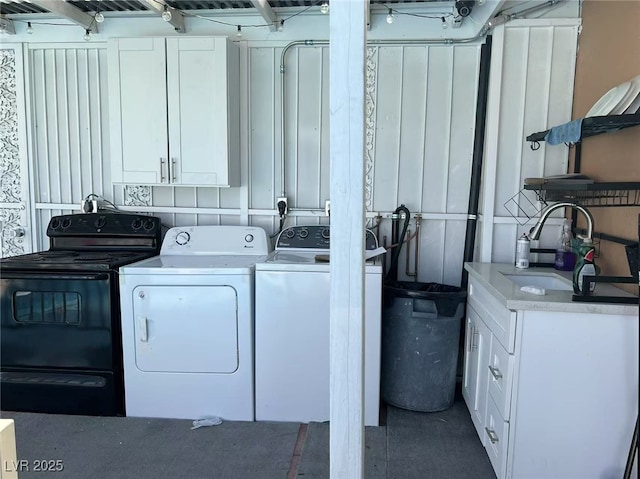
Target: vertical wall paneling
x,y
69,127
420,117
531,89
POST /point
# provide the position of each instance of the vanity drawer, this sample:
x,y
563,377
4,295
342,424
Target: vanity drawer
x,y
500,320
496,431
501,365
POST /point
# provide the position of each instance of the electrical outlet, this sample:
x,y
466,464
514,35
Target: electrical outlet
x,y
282,211
327,207
89,206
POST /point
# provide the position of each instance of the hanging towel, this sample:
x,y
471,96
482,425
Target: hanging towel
x,y
567,133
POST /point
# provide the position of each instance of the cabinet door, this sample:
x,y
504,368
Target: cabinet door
x,y
203,125
138,110
476,370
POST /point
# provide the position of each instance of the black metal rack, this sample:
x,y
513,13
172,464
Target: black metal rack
x,y
589,194
596,125
593,194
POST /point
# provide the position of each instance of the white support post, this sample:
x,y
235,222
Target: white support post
x,y
347,35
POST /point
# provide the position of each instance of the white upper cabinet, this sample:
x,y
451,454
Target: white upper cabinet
x,y
174,111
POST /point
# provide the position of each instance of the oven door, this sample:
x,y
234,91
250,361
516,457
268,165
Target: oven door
x,y
56,320
57,344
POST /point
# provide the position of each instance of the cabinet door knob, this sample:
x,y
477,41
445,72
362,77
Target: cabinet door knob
x,y
495,372
493,437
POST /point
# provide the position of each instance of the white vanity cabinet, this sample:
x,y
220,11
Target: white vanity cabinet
x,y
174,111
552,389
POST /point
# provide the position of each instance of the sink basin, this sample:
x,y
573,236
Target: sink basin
x,y
540,280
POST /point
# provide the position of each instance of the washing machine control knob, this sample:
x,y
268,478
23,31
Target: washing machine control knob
x,y
290,233
182,238
326,233
248,238
304,232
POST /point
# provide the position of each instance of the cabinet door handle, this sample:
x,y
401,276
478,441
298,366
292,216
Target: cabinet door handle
x,y
172,170
495,372
162,177
470,338
474,344
493,437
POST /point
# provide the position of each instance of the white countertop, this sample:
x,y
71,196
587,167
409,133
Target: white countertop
x,y
491,276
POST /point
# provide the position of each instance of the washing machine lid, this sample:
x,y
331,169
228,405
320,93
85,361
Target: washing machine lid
x,y
284,260
195,264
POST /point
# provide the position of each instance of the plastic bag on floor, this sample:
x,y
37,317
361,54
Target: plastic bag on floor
x,y
207,421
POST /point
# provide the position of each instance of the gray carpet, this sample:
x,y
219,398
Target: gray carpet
x,y
122,448
441,445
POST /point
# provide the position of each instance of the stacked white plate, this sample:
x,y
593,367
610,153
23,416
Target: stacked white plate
x,y
624,98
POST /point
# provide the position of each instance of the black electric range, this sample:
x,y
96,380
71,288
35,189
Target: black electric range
x,y
61,344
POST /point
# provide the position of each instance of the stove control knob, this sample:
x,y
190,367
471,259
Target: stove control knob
x,y
55,224
148,225
248,238
66,222
182,238
136,224
304,232
326,233
100,222
290,233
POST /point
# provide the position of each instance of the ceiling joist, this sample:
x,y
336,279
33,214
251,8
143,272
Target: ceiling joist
x,y
159,7
7,26
267,13
68,11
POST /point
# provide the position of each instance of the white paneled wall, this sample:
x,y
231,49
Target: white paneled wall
x,y
421,104
531,90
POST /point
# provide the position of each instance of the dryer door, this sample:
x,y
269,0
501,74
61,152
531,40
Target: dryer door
x,y
186,329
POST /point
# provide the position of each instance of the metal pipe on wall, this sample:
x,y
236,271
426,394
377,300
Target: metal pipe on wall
x,y
478,152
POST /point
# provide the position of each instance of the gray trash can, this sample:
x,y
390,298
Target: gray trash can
x,y
421,325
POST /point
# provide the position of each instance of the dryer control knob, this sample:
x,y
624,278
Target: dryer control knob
x,y
304,232
182,238
290,233
326,233
248,238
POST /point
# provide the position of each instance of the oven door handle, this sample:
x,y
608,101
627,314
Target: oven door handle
x,y
63,276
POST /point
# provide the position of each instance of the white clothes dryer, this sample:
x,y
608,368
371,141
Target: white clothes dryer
x,y
187,324
292,329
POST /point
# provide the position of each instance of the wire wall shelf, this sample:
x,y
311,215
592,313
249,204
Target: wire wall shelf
x,y
592,194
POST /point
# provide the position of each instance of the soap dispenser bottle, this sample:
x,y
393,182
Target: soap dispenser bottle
x,y
585,266
565,258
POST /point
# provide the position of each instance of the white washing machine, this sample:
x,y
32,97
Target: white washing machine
x,y
187,324
292,329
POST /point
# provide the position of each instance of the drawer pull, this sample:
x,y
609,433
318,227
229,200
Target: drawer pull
x,y
495,372
493,437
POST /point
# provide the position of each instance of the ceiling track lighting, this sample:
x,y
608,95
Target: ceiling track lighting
x,y
166,14
324,8
390,17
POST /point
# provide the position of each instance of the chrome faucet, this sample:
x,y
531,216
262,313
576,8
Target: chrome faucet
x,y
534,233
